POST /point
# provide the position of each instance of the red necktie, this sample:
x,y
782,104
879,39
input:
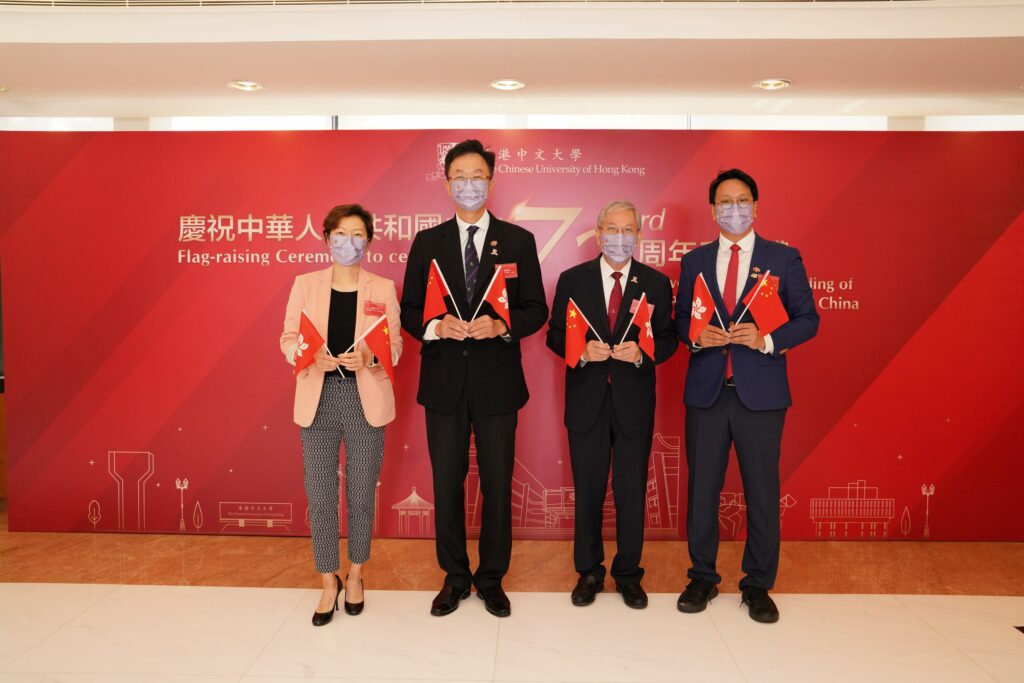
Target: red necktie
x,y
732,274
615,300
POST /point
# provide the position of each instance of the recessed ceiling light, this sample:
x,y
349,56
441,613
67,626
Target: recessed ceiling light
x,y
507,84
772,84
246,86
4,88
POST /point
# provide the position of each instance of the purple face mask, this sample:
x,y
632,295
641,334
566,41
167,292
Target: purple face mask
x,y
470,194
347,251
735,220
618,248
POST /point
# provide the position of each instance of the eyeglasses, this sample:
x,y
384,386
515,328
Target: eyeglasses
x,y
463,179
628,231
727,205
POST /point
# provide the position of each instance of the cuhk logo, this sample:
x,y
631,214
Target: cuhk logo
x,y
442,151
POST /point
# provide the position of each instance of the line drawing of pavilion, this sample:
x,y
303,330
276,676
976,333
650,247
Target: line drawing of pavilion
x,y
543,512
855,506
131,470
414,515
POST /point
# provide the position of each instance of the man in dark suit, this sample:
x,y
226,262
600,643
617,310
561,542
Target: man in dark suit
x,y
737,391
471,371
609,398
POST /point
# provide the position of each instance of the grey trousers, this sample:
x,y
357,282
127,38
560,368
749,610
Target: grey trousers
x,y
339,417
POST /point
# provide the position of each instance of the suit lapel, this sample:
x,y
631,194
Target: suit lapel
x,y
757,257
322,307
633,288
710,270
363,288
451,265
488,259
596,309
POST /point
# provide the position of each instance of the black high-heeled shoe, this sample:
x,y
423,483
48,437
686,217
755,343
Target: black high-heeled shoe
x,y
323,618
354,608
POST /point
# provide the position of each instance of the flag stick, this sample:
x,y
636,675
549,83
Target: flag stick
x,y
642,302
368,331
589,326
480,305
447,288
713,304
759,285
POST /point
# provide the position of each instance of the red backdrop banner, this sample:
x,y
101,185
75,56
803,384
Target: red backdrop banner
x,y
145,277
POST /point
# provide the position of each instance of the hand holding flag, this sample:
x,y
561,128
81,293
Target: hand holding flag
x,y
497,296
642,320
764,304
378,339
576,326
700,316
437,289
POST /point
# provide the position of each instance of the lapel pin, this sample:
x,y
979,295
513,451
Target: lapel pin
x,y
494,243
633,280
494,252
757,269
753,276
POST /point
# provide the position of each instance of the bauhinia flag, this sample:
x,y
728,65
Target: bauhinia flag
x,y
309,342
701,308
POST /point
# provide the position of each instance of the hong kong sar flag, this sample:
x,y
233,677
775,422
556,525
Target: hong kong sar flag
x,y
309,342
497,296
378,339
642,321
765,305
701,308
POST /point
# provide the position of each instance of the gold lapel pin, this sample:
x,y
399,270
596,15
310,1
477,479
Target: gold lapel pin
x,y
494,252
494,243
633,280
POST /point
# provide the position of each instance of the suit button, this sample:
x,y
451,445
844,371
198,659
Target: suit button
x,y
465,352
724,352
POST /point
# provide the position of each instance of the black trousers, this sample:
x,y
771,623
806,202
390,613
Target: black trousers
x,y
592,454
448,443
757,435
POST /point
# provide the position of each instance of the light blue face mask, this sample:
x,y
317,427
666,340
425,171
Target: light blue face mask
x,y
735,220
347,251
470,194
618,248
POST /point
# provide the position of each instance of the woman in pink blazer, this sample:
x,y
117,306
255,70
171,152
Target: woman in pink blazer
x,y
346,396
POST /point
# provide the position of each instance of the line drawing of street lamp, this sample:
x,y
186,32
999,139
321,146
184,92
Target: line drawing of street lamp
x,y
181,486
927,491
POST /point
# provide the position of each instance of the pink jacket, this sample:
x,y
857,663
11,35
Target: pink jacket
x,y
312,293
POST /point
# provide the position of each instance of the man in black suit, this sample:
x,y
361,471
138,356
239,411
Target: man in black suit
x,y
609,398
471,371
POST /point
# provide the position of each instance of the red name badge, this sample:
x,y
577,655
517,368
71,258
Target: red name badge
x,y
373,308
636,302
510,270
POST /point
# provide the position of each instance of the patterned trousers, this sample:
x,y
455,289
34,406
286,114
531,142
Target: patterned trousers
x,y
339,416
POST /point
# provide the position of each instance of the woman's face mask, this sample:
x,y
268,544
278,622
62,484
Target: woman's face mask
x,y
347,251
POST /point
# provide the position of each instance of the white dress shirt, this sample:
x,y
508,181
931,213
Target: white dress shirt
x,y
607,282
746,246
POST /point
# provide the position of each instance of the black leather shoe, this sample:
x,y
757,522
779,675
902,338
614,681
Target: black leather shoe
x,y
632,594
354,608
323,618
760,606
447,601
586,590
696,596
495,600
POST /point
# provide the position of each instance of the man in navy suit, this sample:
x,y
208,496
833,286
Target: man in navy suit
x,y
737,392
610,398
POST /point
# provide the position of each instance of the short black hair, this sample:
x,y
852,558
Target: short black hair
x,y
468,147
732,174
335,215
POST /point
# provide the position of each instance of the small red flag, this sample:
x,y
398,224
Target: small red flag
x,y
766,307
497,296
701,309
437,290
378,339
575,334
642,321
309,342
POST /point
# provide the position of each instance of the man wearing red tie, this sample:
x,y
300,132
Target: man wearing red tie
x,y
736,390
609,395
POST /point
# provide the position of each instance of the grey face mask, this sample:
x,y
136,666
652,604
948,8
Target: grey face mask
x,y
618,248
469,195
347,251
736,220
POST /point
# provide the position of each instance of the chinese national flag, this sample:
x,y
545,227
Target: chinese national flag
x,y
767,307
437,290
575,334
378,339
701,309
497,296
309,342
642,320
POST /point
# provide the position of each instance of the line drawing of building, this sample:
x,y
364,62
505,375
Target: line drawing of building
x,y
548,512
855,506
414,515
732,511
259,516
131,470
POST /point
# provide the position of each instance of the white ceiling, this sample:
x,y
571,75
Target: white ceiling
x,y
938,58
